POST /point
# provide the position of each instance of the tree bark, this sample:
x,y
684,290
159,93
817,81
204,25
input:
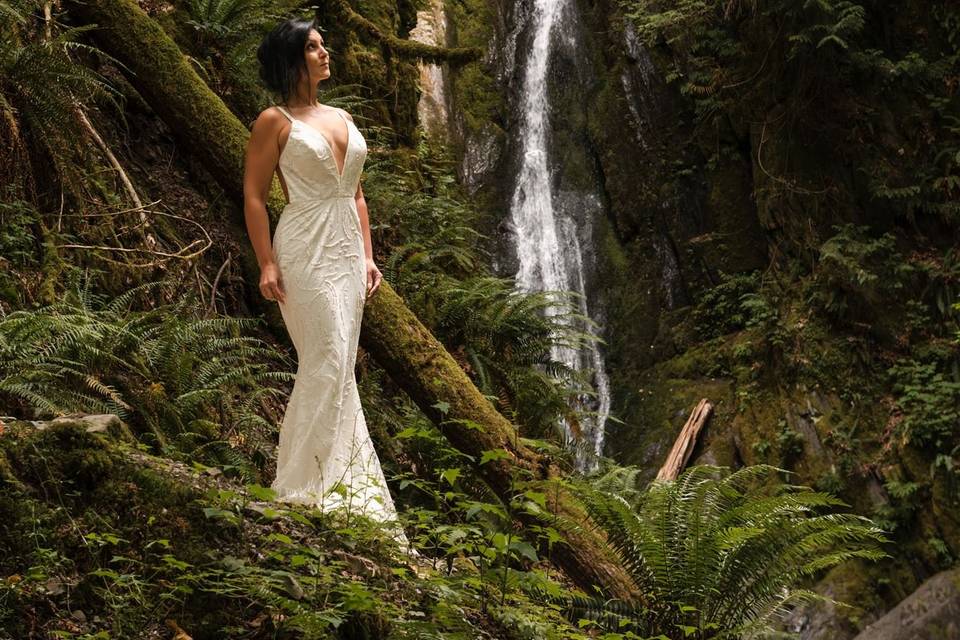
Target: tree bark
x,y
407,49
396,339
686,441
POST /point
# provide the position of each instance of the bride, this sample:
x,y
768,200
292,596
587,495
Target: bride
x,y
320,270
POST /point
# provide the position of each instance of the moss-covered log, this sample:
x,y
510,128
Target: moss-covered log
x,y
408,49
421,365
399,342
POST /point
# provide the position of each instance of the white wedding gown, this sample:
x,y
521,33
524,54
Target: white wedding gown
x,y
325,458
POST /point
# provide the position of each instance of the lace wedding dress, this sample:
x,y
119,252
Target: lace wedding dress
x,y
325,458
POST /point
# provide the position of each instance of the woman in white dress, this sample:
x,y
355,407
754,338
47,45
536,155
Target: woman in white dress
x,y
320,270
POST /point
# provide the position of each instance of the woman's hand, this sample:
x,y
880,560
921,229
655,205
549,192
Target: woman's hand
x,y
271,282
373,277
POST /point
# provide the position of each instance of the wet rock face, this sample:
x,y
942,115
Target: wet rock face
x,y
651,235
822,621
932,612
643,133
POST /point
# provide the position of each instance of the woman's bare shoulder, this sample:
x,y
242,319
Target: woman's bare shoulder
x,y
270,118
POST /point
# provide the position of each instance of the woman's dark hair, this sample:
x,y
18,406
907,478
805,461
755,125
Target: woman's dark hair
x,y
281,55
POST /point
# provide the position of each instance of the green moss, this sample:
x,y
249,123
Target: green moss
x,y
661,405
63,459
475,92
864,588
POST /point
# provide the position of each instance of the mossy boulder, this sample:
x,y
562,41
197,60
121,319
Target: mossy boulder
x,y
864,592
932,612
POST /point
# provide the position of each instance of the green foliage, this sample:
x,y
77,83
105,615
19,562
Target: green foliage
x,y
134,547
462,518
899,512
761,448
732,550
42,87
929,402
732,305
858,274
225,22
170,371
790,444
831,482
712,60
507,339
816,76
16,239
503,338
474,87
17,246
940,293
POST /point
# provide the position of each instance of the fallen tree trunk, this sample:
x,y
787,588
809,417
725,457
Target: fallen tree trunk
x,y
397,340
408,49
686,441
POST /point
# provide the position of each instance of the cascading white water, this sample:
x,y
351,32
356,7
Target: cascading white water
x,y
547,246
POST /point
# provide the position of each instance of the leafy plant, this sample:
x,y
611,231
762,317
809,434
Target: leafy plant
x,y
720,310
930,404
505,339
790,444
225,21
732,550
858,273
42,87
175,374
817,77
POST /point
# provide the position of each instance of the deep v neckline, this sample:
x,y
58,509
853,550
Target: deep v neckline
x,y
333,156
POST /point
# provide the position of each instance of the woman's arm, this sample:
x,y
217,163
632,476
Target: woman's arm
x,y
373,273
259,163
364,222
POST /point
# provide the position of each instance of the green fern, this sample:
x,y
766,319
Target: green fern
x,y
165,369
41,84
224,22
504,337
733,551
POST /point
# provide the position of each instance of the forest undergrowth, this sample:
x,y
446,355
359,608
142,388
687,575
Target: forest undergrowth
x,y
120,293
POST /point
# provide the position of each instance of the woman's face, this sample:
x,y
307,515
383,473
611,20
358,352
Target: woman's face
x,y
316,57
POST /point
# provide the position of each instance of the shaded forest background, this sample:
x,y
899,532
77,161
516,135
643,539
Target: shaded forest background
x,y
802,171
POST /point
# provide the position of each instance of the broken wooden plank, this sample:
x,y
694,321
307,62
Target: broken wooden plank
x,y
686,441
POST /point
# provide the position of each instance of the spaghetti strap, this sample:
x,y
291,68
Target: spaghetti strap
x,y
285,112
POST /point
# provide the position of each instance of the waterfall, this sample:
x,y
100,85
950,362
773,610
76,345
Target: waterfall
x,y
547,244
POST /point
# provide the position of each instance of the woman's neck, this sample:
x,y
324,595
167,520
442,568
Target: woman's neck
x,y
296,104
306,99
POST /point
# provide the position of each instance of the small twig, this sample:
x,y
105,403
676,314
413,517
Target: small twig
x,y
47,21
788,184
763,62
183,253
60,214
196,272
113,213
148,237
164,254
216,281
